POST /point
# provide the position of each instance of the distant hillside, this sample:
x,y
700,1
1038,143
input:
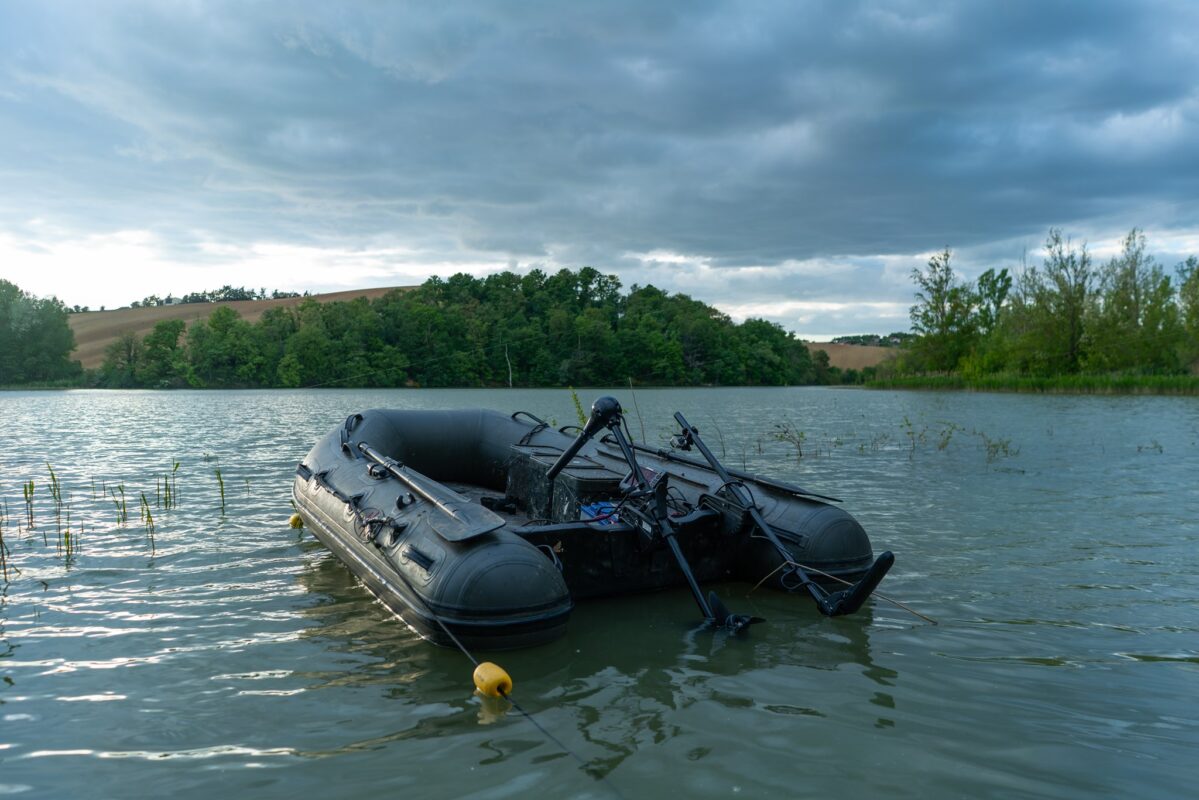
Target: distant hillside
x,y
95,330
853,356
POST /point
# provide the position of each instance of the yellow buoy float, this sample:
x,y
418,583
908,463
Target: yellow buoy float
x,y
491,680
295,521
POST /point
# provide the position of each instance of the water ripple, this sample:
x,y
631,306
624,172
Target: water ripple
x,y
226,651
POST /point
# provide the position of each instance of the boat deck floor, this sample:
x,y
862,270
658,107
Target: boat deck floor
x,y
476,493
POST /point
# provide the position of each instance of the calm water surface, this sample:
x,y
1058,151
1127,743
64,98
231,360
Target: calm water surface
x,y
1054,538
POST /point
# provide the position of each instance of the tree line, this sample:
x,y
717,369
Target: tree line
x,y
893,339
35,339
223,294
1068,316
569,328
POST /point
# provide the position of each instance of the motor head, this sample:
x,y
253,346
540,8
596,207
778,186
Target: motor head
x,y
604,412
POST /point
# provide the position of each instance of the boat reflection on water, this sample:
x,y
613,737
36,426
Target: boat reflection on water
x,y
621,674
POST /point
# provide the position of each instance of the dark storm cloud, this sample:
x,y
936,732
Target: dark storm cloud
x,y
827,143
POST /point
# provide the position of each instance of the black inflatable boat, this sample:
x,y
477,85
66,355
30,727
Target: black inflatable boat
x,y
486,527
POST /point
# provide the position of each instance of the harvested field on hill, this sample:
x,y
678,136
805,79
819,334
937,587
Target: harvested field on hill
x,y
854,356
95,330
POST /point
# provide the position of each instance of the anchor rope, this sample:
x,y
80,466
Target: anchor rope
x,y
545,732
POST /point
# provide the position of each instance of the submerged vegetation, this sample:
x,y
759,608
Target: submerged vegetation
x,y
1066,326
56,517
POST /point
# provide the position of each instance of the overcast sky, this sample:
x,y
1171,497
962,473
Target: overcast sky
x,y
789,160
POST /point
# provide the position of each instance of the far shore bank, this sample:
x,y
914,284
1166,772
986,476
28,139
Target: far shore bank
x,y
1177,385
1060,384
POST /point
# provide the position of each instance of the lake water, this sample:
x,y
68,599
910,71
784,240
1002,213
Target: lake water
x,y
1055,539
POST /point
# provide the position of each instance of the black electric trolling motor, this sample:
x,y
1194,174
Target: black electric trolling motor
x,y
652,513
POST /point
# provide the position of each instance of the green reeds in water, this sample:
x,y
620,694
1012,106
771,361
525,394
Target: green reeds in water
x,y
55,486
787,432
27,490
3,546
119,502
578,406
221,483
68,541
148,520
166,494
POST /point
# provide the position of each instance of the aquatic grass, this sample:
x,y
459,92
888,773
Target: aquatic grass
x,y
914,436
67,543
221,483
3,546
147,518
946,434
785,431
119,502
719,436
166,493
66,535
55,485
69,530
578,406
27,491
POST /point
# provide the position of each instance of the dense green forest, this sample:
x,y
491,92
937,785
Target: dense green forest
x,y
35,339
1069,317
569,328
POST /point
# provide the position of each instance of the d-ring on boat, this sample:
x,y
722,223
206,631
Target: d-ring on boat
x,y
486,527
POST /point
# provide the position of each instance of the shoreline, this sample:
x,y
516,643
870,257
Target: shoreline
x,y
1165,385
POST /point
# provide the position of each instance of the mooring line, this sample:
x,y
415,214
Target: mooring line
x,y
500,690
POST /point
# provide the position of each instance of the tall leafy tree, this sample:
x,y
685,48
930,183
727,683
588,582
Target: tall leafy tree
x,y
942,316
1188,302
35,338
163,362
1063,299
122,362
1134,320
